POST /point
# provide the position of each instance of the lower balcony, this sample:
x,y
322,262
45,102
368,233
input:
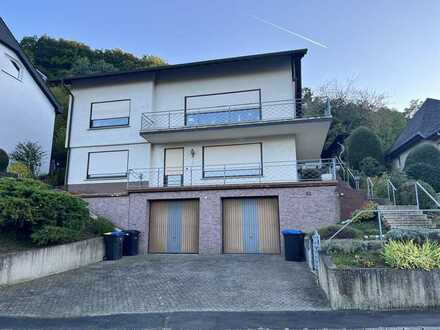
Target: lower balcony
x,y
240,174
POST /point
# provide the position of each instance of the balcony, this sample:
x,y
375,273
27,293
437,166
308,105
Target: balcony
x,y
233,174
235,121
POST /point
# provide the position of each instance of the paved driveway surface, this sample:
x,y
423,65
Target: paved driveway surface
x,y
168,283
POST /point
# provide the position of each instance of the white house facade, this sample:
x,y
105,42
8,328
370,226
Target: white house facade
x,y
27,108
212,148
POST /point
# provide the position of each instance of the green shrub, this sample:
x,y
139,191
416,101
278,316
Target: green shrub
x,y
407,196
20,169
50,235
361,144
329,231
4,160
365,216
424,153
371,166
417,235
100,226
425,172
28,206
409,255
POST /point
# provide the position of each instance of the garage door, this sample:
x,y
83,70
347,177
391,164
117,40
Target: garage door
x,y
174,226
251,225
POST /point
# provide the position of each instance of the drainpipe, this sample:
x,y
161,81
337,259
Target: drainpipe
x,y
69,118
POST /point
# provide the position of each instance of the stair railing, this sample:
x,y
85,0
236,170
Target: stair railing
x,y
418,186
370,188
347,173
391,189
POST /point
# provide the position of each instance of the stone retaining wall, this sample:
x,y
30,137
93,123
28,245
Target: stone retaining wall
x,y
378,288
36,263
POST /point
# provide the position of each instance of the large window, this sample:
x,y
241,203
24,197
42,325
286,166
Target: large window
x,y
223,108
12,67
107,164
110,114
232,160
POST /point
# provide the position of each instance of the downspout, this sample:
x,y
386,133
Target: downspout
x,y
69,118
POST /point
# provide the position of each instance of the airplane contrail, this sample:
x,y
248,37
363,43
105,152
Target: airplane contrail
x,y
290,32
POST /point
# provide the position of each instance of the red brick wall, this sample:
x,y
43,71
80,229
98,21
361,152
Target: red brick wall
x,y
350,199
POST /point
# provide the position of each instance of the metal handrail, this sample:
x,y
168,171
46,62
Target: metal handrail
x,y
393,189
418,185
347,171
380,213
370,188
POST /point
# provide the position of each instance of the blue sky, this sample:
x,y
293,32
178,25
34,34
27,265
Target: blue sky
x,y
389,46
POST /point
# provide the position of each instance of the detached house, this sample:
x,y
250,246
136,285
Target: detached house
x,y
27,107
207,157
424,127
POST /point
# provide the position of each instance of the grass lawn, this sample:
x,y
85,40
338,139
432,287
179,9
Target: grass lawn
x,y
357,259
9,243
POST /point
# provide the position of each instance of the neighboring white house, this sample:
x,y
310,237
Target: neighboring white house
x,y
424,127
222,141
27,107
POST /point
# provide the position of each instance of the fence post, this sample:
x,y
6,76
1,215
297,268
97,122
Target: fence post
x,y
379,217
334,168
417,195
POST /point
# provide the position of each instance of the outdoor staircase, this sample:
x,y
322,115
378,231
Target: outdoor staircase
x,y
404,217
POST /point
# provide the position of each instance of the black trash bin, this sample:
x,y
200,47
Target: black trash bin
x,y
131,242
113,245
294,245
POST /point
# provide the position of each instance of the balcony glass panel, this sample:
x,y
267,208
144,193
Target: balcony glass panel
x,y
222,117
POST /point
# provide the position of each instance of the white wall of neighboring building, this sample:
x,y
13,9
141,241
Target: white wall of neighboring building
x,y
25,112
399,162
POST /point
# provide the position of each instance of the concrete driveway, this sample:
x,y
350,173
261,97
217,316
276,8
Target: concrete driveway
x,y
168,283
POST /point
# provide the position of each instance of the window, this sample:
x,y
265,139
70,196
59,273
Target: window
x,y
12,67
232,160
107,164
223,108
110,114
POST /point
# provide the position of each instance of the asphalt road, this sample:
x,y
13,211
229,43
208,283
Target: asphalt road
x,y
236,320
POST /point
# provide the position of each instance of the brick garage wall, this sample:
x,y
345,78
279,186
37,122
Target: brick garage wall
x,y
305,208
114,208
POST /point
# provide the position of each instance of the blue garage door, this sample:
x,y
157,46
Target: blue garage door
x,y
251,225
174,226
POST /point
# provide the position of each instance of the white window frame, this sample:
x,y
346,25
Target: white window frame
x,y
109,175
91,125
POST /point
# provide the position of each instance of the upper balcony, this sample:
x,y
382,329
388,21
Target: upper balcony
x,y
280,117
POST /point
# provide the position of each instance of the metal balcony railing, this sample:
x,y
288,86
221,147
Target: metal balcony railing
x,y
226,174
235,114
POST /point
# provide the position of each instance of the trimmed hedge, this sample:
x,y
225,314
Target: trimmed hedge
x,y
425,153
371,166
4,160
348,232
407,196
425,172
45,215
361,144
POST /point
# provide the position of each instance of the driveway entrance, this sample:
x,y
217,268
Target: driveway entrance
x,y
169,283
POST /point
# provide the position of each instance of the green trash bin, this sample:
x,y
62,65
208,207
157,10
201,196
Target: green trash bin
x,y
113,245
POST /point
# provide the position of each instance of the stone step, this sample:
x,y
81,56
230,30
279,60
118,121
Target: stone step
x,y
404,217
410,226
397,207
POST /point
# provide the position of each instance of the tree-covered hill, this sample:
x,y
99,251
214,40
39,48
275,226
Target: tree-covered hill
x,y
58,58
